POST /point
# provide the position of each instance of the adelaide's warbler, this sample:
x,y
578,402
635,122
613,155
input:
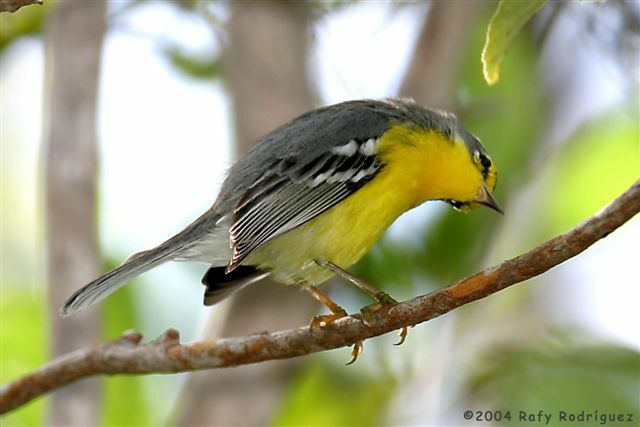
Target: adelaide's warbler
x,y
314,195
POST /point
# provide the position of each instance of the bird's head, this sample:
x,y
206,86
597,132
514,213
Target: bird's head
x,y
440,158
480,176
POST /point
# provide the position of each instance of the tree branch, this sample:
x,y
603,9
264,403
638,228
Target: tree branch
x,y
13,5
166,355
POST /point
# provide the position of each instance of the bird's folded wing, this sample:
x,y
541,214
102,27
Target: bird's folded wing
x,y
289,194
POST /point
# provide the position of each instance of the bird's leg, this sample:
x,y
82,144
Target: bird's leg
x,y
380,296
336,313
383,299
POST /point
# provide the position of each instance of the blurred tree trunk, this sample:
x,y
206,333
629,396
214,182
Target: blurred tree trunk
x,y
267,64
73,62
431,75
267,68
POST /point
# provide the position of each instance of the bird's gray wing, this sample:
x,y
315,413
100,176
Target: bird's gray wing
x,y
290,193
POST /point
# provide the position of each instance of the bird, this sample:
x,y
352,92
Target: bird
x,y
313,196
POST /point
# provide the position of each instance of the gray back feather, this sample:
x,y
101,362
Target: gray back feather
x,y
308,136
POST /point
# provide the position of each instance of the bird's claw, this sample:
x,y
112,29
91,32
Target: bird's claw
x,y
356,351
320,321
370,313
403,335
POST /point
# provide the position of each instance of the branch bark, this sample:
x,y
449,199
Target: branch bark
x,y
13,5
166,355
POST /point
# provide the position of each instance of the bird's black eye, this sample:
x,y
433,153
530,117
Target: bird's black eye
x,y
456,204
485,161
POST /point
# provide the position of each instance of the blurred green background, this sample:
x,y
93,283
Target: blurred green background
x,y
175,105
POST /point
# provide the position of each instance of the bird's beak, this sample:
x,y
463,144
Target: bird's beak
x,y
486,198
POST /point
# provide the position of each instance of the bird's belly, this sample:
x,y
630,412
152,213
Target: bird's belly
x,y
341,235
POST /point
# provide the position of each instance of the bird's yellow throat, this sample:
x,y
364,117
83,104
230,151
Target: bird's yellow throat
x,y
425,165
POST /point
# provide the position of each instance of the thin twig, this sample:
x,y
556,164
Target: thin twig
x,y
166,355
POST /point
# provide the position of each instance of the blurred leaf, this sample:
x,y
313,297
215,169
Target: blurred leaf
x,y
383,266
319,9
23,346
554,377
124,401
195,65
600,163
188,5
325,397
455,246
510,17
27,22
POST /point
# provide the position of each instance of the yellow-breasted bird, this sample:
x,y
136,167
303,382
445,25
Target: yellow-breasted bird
x,y
312,197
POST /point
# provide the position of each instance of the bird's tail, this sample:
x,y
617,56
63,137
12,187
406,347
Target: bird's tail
x,y
135,265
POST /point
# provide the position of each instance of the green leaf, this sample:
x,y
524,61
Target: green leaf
x,y
28,22
556,376
600,162
510,17
323,396
24,344
196,65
